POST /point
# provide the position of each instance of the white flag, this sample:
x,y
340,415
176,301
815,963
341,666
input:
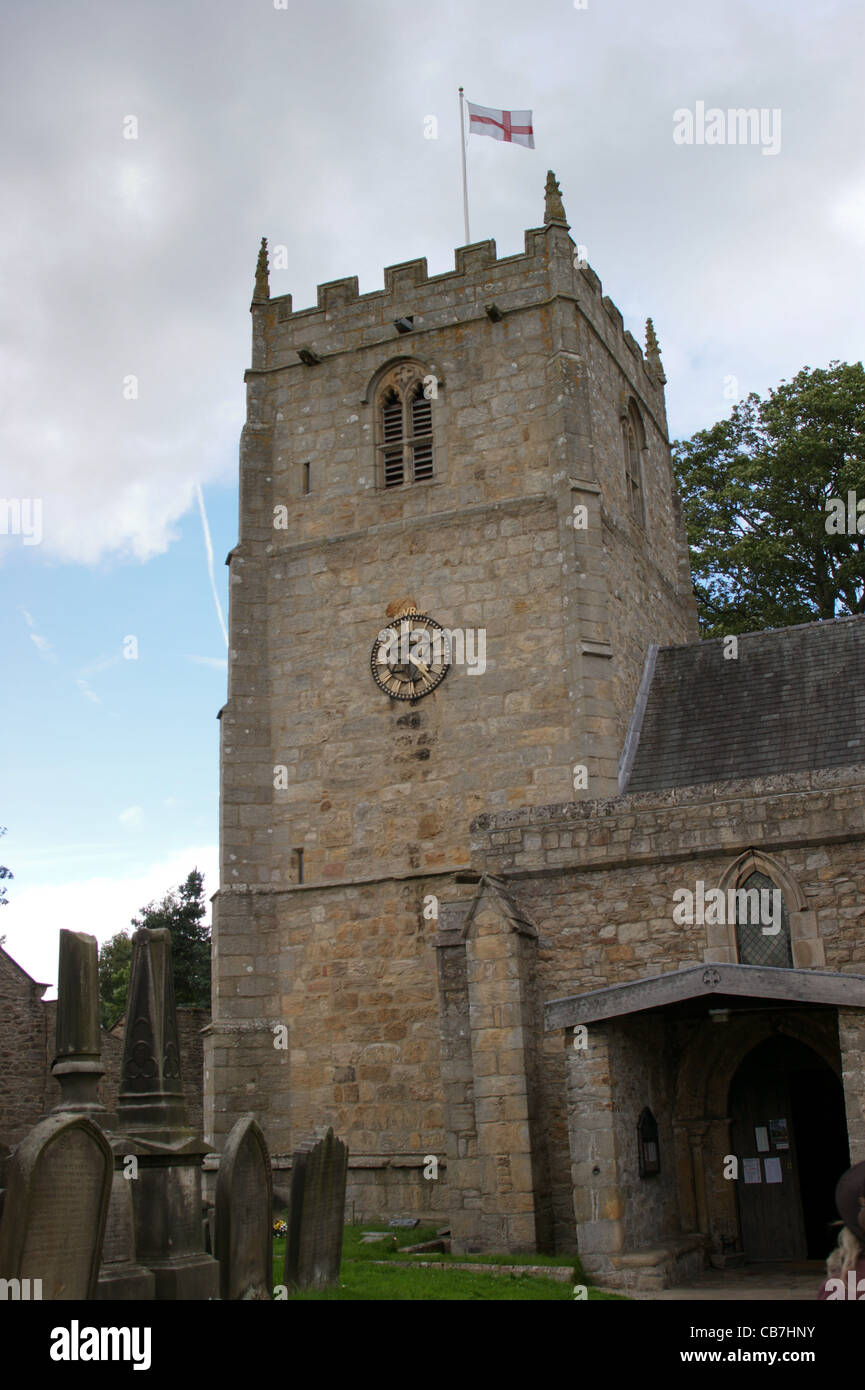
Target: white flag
x,y
513,126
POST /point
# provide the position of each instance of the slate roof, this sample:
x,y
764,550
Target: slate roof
x,y
793,700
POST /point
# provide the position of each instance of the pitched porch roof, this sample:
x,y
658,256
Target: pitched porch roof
x,y
725,982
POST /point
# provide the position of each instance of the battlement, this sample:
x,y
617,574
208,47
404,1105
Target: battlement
x,y
409,284
411,302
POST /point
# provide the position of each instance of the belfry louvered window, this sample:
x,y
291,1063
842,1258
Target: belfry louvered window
x,y
405,428
421,431
392,438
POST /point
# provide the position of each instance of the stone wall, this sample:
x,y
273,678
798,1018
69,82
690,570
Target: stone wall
x,y
372,796
350,1036
23,1047
491,1020
598,880
851,1030
601,875
379,1188
643,1060
377,783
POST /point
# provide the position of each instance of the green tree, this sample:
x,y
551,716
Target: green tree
x,y
115,960
756,490
182,912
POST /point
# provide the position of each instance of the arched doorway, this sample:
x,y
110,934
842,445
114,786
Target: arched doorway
x,y
789,1133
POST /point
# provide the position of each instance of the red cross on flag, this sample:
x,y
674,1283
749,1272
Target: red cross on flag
x,y
515,127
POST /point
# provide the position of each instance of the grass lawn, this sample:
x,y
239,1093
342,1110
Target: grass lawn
x,y
380,1272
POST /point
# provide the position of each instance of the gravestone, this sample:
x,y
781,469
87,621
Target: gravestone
x,y
121,1277
153,1128
77,1065
244,1201
313,1248
59,1183
78,1069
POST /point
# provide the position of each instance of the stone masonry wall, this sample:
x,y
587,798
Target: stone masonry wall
x,y
598,880
601,875
527,424
851,1031
22,1050
349,974
641,1059
376,784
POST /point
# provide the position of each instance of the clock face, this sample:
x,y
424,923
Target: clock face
x,y
410,657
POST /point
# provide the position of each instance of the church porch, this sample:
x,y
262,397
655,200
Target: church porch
x,y
710,1112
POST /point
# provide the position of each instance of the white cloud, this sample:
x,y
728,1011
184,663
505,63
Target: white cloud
x,y
136,257
132,816
43,646
87,692
103,664
101,906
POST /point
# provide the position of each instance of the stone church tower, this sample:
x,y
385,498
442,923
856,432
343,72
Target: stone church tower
x,y
485,449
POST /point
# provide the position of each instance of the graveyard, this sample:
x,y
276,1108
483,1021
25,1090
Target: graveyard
x,y
113,1206
106,1206
381,1271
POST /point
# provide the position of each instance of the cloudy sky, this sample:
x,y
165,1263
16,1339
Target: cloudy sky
x,y
148,147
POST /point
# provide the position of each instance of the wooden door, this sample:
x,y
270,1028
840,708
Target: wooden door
x,y
770,1211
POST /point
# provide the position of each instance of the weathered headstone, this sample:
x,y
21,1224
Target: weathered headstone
x,y
121,1276
78,1069
313,1248
153,1120
244,1201
59,1182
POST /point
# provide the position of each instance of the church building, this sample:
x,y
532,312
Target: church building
x,y
554,912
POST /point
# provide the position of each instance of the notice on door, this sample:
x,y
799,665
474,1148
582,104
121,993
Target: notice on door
x,y
778,1131
751,1170
773,1170
761,1139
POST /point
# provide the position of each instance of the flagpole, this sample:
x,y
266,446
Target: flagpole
x,y
465,183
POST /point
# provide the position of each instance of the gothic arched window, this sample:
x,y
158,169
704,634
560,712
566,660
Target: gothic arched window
x,y
632,430
404,424
762,932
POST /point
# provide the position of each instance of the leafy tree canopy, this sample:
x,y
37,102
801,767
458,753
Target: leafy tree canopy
x,y
115,959
769,546
182,912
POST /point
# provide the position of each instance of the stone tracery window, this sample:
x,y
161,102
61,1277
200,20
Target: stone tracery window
x,y
632,430
404,425
754,946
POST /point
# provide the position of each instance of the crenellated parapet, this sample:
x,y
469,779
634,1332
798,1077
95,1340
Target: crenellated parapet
x,y
482,286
